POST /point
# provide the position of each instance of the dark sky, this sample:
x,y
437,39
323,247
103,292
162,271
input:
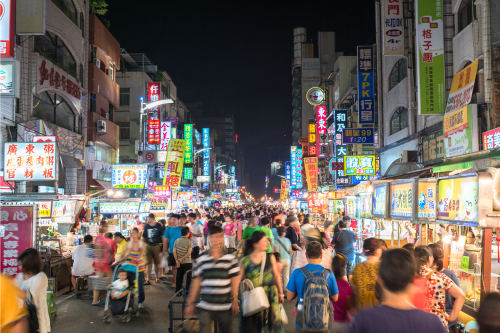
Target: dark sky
x,y
237,56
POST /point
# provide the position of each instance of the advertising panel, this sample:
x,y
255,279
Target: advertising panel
x,y
462,87
426,200
9,78
154,91
165,134
31,161
154,137
430,57
339,205
17,226
145,207
119,207
185,196
30,17
433,148
393,28
341,150
317,202
321,128
298,156
44,208
203,179
7,28
188,173
206,143
402,200
358,135
366,86
312,138
491,139
351,207
62,208
311,168
174,163
293,167
359,165
188,137
460,129
380,201
161,192
458,200
129,176
365,203
283,189
288,170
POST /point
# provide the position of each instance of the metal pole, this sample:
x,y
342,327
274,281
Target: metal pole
x,y
392,235
399,234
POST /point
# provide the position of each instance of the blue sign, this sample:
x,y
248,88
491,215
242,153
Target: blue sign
x,y
206,144
50,189
358,135
366,85
303,205
288,170
197,136
364,178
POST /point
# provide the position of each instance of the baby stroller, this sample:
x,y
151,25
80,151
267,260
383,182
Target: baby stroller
x,y
123,306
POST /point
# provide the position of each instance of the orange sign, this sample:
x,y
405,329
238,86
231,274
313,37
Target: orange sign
x,y
455,122
311,168
316,202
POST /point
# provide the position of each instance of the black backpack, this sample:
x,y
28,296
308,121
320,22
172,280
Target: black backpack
x,y
32,317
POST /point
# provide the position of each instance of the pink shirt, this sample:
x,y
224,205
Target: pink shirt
x,y
228,229
280,267
345,292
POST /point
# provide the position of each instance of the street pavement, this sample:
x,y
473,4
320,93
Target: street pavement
x,y
78,316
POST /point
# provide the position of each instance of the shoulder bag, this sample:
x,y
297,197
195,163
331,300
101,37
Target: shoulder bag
x,y
254,299
32,317
284,247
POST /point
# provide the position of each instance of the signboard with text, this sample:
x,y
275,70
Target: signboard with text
x,y
380,200
458,199
341,150
161,192
460,132
358,135
366,85
7,28
188,137
119,207
317,202
9,78
174,163
491,139
129,175
321,129
311,169
165,134
312,138
359,165
154,91
30,161
402,198
433,148
298,167
293,167
63,208
393,27
154,137
462,87
426,200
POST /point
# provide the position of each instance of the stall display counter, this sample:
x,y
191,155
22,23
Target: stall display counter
x,y
61,247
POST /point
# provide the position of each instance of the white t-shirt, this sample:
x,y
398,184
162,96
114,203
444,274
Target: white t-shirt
x,y
196,228
118,285
82,264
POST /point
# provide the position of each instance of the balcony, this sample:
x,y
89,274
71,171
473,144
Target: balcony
x,y
112,130
100,83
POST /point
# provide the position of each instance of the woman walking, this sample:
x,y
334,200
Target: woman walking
x,y
35,283
268,320
103,259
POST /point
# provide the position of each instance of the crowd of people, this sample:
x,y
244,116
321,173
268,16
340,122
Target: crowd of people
x,y
285,255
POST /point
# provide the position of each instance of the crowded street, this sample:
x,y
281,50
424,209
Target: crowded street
x,y
227,167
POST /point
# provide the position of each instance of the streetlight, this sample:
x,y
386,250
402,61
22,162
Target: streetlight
x,y
281,176
200,150
145,106
219,167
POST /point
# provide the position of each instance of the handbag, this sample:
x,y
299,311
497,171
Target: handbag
x,y
254,299
33,317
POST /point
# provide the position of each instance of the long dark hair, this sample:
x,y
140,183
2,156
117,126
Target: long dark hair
x,y
438,254
256,237
338,265
421,255
30,261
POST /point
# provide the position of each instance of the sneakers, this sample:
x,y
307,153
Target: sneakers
x,y
99,303
173,284
141,305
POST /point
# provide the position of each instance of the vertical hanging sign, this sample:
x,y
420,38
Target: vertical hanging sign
x,y
322,137
174,163
153,131
340,149
154,89
430,57
298,157
312,138
7,28
166,132
188,137
366,86
293,160
311,167
393,28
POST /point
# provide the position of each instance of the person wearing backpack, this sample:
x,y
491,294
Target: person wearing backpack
x,y
315,287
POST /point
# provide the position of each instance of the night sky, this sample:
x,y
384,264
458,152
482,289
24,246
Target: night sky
x,y
237,56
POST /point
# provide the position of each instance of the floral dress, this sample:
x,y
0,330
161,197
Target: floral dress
x,y
437,286
268,320
364,277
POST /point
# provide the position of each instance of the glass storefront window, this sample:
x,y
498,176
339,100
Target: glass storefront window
x,y
53,108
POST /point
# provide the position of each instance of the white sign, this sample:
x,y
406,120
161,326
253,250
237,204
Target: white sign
x,y
30,161
315,96
44,222
129,176
119,207
63,208
203,179
153,156
393,27
9,77
165,134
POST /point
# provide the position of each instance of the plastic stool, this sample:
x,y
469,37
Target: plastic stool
x,y
81,286
51,298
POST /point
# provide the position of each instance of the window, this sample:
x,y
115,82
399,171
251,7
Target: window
x,y
82,24
124,133
81,75
399,120
52,48
465,14
53,108
124,96
398,73
112,71
92,103
111,111
68,8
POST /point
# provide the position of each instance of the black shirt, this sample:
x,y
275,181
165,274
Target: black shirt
x,y
152,235
291,234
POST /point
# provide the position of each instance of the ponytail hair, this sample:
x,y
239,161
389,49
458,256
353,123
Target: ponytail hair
x,y
421,255
438,254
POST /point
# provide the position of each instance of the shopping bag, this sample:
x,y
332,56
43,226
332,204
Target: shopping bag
x,y
284,317
164,263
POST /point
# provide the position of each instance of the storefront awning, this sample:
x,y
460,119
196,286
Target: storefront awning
x,y
71,162
464,162
105,184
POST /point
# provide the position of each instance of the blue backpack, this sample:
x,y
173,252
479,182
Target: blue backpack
x,y
317,312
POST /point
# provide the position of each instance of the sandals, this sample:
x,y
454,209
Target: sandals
x,y
147,283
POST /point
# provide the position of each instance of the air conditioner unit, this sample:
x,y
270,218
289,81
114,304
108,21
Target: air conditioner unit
x,y
107,116
97,62
409,156
101,127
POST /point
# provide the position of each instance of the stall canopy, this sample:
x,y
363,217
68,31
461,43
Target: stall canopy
x,y
104,184
465,162
71,162
411,172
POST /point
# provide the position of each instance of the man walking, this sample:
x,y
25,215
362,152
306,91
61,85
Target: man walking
x,y
343,243
197,233
171,234
152,238
182,255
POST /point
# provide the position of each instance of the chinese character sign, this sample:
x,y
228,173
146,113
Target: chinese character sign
x,y
298,157
154,91
312,138
154,137
162,192
288,169
359,165
462,87
321,128
402,200
430,57
129,176
426,200
206,143
165,134
491,139
188,137
119,207
7,28
17,225
283,189
61,208
380,201
341,150
317,202
460,136
293,171
311,169
44,208
393,27
188,173
175,163
362,135
31,161
433,148
366,86
458,200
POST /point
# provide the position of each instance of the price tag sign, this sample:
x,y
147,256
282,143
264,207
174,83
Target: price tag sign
x,y
464,264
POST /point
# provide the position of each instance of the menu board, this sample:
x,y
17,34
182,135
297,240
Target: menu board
x,y
119,207
129,175
44,208
458,200
365,205
426,200
351,208
380,201
62,208
402,200
145,207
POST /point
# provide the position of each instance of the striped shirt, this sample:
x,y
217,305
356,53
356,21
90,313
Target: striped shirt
x,y
182,246
216,284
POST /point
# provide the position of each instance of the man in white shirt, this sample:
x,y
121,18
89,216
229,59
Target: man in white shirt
x,y
197,232
82,261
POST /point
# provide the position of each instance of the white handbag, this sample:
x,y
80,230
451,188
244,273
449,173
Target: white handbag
x,y
254,299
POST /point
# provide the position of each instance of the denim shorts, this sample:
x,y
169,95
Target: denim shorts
x,y
350,267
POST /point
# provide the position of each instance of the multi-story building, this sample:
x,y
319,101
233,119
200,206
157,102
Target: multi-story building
x,y
104,95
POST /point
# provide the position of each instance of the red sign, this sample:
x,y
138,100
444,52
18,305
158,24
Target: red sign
x,y
154,131
45,138
316,202
154,90
59,81
16,223
491,139
7,29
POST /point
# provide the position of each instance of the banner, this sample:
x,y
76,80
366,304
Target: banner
x,y
188,137
460,132
312,138
393,28
321,128
359,165
462,87
430,57
402,200
311,168
317,202
366,85
129,175
174,163
298,164
283,189
31,161
341,150
433,148
293,167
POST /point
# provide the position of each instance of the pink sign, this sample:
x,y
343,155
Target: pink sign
x,y
154,90
166,134
162,191
16,225
173,120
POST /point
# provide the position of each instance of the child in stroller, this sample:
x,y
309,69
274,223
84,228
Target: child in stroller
x,y
121,292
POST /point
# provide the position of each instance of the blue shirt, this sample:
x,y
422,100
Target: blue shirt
x,y
297,281
343,241
172,234
283,251
449,300
275,233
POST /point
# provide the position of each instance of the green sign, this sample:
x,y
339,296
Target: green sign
x,y
464,263
460,131
433,150
451,167
430,57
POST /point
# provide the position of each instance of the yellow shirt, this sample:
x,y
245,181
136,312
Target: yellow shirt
x,y
12,307
119,250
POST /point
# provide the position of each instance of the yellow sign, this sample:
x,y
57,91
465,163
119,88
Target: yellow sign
x,y
402,200
174,163
44,208
283,189
462,87
455,122
359,165
311,168
426,200
458,199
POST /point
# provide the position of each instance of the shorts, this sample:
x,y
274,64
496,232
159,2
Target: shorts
x,y
153,254
195,252
350,267
171,260
77,276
